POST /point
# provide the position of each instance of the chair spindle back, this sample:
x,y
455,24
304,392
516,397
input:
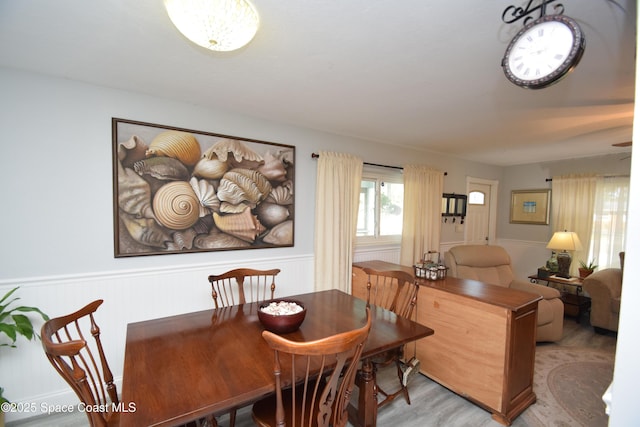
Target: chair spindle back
x,y
321,378
396,291
242,285
72,345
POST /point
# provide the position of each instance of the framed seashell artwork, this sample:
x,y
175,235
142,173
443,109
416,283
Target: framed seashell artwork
x,y
179,190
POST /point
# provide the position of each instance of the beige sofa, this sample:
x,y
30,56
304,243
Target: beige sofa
x,y
492,264
604,287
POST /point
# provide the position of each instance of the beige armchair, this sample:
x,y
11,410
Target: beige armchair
x,y
605,287
492,264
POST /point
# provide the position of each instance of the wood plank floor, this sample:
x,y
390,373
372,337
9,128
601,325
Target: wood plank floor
x,y
432,405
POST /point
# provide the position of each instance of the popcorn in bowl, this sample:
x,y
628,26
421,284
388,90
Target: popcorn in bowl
x,y
282,308
282,316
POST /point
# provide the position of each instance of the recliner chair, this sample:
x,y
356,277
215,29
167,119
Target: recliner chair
x,y
605,289
492,264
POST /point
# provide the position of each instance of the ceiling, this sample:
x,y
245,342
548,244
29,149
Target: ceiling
x,y
413,73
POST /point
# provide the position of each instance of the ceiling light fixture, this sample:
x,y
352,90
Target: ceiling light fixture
x,y
220,25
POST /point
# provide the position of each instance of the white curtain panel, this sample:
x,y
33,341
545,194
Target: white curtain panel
x,y
337,196
422,213
609,228
572,203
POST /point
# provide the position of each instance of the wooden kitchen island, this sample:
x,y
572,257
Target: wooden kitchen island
x,y
484,343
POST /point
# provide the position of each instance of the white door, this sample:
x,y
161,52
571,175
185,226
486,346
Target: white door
x,y
480,219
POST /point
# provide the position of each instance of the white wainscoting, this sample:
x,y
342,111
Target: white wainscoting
x,y
130,296
386,253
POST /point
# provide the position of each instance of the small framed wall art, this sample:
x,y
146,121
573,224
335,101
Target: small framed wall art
x,y
178,190
530,206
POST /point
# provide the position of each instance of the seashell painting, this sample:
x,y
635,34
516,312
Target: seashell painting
x,y
179,190
131,151
204,225
219,240
163,168
273,168
176,206
145,231
179,145
239,151
281,234
206,194
229,208
244,225
243,185
134,195
210,168
182,240
280,195
271,214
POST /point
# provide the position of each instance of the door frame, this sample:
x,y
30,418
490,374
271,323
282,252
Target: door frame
x,y
493,206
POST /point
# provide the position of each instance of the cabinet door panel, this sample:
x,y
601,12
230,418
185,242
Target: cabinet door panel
x,y
467,351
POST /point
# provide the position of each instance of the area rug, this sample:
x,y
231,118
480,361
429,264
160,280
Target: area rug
x,y
569,384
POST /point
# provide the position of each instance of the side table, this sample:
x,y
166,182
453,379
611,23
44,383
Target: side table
x,y
575,305
572,281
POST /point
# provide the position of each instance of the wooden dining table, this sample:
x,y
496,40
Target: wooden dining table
x,y
182,368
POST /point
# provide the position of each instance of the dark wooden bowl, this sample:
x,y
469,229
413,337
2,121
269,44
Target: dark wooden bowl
x,y
283,323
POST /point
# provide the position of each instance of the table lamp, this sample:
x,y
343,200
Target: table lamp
x,y
564,241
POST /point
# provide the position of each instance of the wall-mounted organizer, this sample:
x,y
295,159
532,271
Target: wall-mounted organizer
x,y
453,206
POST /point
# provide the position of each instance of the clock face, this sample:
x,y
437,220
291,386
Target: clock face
x,y
543,52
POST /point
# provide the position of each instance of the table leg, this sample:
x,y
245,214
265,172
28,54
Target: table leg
x,y
367,411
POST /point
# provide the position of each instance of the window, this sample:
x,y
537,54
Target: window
x,y
476,198
380,210
609,221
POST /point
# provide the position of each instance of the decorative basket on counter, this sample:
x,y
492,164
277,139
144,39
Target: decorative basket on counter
x,y
430,271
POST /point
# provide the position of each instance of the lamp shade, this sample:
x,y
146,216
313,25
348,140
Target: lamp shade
x,y
220,25
565,241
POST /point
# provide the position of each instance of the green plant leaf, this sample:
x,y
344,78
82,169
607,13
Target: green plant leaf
x,y
13,322
31,309
590,266
11,331
8,294
4,311
24,326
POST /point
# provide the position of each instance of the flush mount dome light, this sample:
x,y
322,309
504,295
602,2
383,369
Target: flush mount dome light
x,y
221,25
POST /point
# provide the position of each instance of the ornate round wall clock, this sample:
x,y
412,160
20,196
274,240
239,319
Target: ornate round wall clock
x,y
543,52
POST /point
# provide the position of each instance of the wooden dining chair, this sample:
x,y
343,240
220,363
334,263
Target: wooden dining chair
x,y
81,362
396,291
243,285
240,286
321,379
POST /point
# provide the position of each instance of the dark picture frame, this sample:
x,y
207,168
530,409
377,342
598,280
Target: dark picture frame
x,y
179,190
530,206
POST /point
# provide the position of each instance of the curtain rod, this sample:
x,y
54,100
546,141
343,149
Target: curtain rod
x,y
315,156
606,176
